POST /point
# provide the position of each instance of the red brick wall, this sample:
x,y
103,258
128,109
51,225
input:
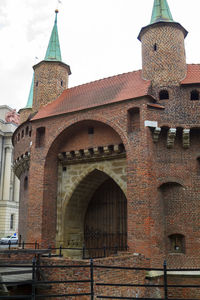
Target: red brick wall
x,y
167,64
149,165
78,138
100,275
47,82
23,207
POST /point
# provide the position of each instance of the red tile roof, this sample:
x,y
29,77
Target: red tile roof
x,y
108,90
97,93
193,75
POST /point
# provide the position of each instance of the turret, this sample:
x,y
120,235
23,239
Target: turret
x,y
50,77
163,50
51,74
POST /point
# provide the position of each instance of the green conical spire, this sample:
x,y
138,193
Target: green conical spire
x,y
30,97
53,51
161,12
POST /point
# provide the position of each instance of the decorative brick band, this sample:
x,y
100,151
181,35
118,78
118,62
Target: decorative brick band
x,y
97,153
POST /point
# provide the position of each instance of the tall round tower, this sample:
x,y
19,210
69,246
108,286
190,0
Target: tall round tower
x,y
51,74
163,50
50,77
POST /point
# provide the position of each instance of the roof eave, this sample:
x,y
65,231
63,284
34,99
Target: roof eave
x,y
35,118
54,62
144,29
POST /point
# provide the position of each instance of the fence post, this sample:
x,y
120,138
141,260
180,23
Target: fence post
x,y
165,280
60,251
9,244
104,251
20,240
33,278
50,251
91,279
83,251
23,245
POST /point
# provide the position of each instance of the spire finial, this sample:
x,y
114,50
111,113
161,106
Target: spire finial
x,y
56,12
161,12
53,51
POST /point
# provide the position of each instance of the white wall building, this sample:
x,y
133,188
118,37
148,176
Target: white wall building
x,y
9,183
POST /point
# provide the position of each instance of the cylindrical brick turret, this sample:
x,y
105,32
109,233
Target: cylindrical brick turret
x,y
50,80
163,53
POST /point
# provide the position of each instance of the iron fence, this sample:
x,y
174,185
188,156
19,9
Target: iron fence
x,y
86,252
36,282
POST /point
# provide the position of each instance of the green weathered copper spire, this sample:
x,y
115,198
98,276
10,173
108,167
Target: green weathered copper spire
x,y
161,12
30,97
53,51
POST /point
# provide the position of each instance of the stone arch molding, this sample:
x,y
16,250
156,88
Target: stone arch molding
x,y
69,193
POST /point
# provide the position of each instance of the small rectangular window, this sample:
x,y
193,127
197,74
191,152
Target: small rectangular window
x,y
91,130
40,137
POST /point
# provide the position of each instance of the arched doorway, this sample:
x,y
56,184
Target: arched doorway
x,y
105,225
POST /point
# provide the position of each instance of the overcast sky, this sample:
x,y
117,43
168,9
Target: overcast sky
x,y
98,38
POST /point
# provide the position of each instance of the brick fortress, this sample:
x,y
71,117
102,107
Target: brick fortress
x,y
115,162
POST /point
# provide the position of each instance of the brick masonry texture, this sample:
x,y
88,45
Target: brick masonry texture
x,y
50,79
159,176
167,63
100,275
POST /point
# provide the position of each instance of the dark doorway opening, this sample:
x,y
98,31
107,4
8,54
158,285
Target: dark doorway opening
x,y
105,226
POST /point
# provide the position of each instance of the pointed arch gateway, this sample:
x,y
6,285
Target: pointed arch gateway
x,y
96,216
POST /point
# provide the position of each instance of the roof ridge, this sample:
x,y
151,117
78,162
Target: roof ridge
x,y
101,79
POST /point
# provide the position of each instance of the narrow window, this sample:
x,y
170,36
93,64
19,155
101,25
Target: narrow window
x,y
27,130
64,169
22,133
177,244
11,221
194,95
198,166
36,83
155,47
40,137
61,83
163,95
133,119
26,183
91,130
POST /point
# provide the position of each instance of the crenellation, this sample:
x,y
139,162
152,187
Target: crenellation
x,y
186,138
171,137
156,134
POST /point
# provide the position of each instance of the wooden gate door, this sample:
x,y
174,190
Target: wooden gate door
x,y
106,220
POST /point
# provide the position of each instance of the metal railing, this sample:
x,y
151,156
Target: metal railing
x,y
86,252
91,290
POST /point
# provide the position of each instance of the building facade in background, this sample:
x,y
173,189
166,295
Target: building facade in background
x,y
9,183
